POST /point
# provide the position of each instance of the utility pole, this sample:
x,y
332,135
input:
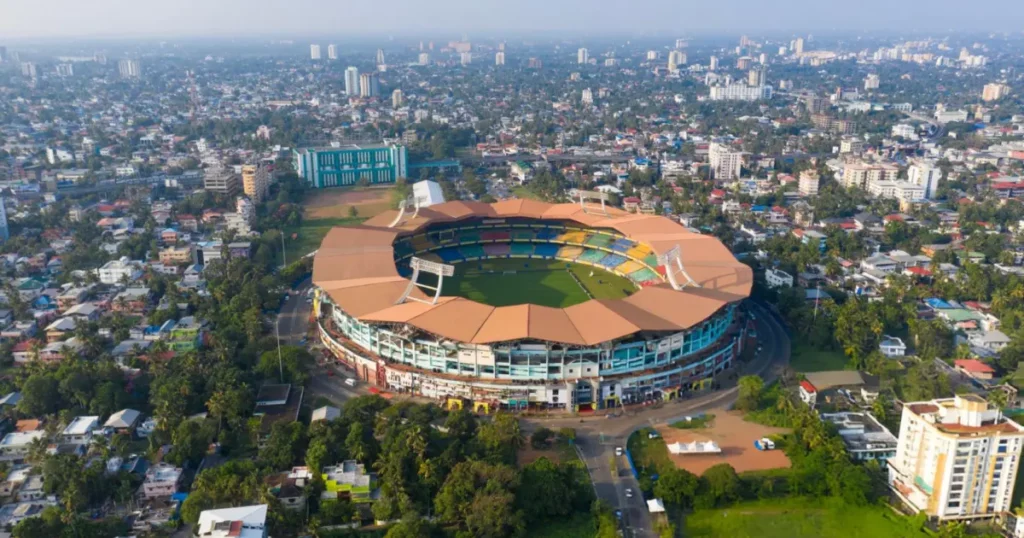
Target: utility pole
x,y
284,252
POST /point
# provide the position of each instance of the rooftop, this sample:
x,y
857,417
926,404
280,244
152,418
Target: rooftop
x,y
966,415
860,431
81,426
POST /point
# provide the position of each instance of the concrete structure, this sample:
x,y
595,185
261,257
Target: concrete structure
x,y
499,58
220,179
369,85
860,174
397,98
348,481
255,181
925,174
115,272
332,52
347,165
352,81
162,480
777,277
740,92
239,522
582,56
995,91
129,68
427,193
871,82
957,458
314,52
725,163
5,231
892,346
865,438
809,183
80,430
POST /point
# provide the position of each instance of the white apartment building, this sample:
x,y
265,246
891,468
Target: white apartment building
x,y
956,458
995,91
905,131
740,92
314,52
332,52
725,163
582,56
861,174
114,271
903,191
926,175
776,278
808,183
237,522
871,82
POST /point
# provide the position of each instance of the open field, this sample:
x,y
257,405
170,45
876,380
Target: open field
x,y
799,518
307,236
813,360
736,439
580,525
559,452
335,203
545,283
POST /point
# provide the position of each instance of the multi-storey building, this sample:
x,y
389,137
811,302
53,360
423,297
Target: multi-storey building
x,y
129,68
995,91
725,163
369,85
957,458
314,52
861,174
499,58
740,92
926,175
352,81
347,165
809,182
871,82
255,181
219,179
582,56
332,52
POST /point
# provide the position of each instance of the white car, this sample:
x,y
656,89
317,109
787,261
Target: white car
x,y
629,493
618,451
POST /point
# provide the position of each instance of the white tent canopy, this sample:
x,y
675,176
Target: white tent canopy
x,y
696,447
655,506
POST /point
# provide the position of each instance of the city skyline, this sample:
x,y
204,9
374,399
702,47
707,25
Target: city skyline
x,y
229,18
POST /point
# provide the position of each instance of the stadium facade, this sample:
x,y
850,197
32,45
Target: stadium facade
x,y
680,328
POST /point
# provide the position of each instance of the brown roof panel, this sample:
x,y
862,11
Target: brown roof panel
x,y
681,308
553,325
343,238
505,323
459,319
640,317
402,313
354,265
368,299
596,323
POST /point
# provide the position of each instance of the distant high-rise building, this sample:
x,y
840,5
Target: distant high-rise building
x,y
762,59
397,99
28,69
345,165
466,58
100,58
713,63
314,52
755,77
535,63
369,85
871,82
65,70
424,58
582,56
421,46
380,57
725,163
798,46
587,96
255,181
676,58
332,52
352,81
501,47
956,458
129,68
220,179
744,62
5,232
681,44
499,58
652,55
995,91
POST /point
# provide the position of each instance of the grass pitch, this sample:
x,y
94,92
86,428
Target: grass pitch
x,y
540,282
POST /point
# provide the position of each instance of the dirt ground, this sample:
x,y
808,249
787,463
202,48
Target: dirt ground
x,y
527,455
736,439
334,203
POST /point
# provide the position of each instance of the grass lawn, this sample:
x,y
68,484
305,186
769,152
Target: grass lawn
x,y
805,359
799,518
524,193
649,455
580,525
545,283
307,236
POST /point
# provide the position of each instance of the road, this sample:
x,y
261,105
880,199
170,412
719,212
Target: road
x,y
597,438
293,320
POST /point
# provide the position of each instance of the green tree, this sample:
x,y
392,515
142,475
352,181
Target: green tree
x,y
677,487
750,388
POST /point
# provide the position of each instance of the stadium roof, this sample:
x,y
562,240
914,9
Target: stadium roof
x,y
355,266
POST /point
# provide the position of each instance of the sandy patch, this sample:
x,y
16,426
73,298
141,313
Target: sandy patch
x,y
736,439
335,203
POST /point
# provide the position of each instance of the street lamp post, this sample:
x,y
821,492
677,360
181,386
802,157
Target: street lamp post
x,y
284,251
280,362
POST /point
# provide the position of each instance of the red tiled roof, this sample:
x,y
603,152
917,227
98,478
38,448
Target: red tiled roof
x,y
973,366
808,386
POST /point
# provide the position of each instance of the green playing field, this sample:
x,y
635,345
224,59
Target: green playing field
x,y
540,282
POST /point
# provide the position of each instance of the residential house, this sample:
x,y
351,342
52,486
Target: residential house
x,y
777,277
15,445
162,480
132,300
974,368
289,487
892,346
348,481
117,271
80,431
237,522
327,412
71,297
124,421
865,438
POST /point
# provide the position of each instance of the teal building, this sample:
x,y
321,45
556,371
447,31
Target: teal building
x,y
348,164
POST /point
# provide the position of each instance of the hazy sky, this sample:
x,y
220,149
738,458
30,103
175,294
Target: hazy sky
x,y
298,18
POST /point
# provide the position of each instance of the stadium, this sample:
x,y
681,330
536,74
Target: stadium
x,y
523,304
